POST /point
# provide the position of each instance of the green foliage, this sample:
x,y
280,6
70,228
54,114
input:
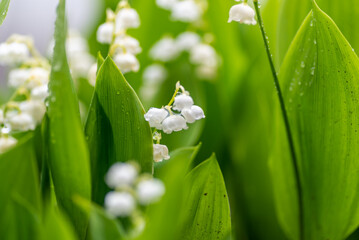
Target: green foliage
x,y
68,154
206,214
4,6
320,85
116,117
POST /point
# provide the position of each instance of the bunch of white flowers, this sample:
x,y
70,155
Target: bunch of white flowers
x,y
131,189
29,77
184,10
123,47
172,118
203,55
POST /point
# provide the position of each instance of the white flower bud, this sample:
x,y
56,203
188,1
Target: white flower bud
x,y
242,13
92,75
119,204
150,191
121,174
129,44
174,123
127,18
35,108
186,11
22,122
192,114
154,74
187,40
166,4
164,50
13,53
203,54
40,92
182,101
105,32
6,143
155,116
160,152
127,62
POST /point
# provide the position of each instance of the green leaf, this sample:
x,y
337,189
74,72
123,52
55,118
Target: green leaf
x,y
56,226
206,214
344,13
115,129
68,154
102,226
4,6
18,173
162,218
320,83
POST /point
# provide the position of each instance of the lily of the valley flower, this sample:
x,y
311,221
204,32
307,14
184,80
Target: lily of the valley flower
x,y
13,53
127,18
121,174
150,191
186,11
193,113
105,32
155,117
242,13
120,204
127,62
174,123
160,152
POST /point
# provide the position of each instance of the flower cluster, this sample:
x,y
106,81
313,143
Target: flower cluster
x,y
184,10
172,118
29,76
242,13
123,47
201,54
131,189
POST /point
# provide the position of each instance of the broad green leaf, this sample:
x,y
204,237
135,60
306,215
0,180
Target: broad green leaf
x,y
115,129
320,83
102,226
344,13
18,173
68,154
162,218
23,221
4,6
56,226
206,214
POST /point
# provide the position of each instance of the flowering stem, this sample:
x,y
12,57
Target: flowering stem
x,y
286,120
173,97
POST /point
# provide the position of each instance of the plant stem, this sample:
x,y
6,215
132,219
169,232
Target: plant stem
x,y
286,121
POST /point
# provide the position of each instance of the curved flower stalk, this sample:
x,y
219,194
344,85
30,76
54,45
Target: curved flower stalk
x,y
123,47
172,118
132,191
29,76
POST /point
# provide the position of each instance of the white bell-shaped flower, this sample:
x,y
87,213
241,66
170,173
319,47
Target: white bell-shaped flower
x,y
164,50
155,117
182,101
126,62
186,11
121,174
38,77
13,53
203,54
154,74
174,123
18,77
105,32
35,108
22,122
242,13
160,152
187,40
92,75
127,18
193,113
166,4
6,142
150,191
129,44
40,92
120,204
